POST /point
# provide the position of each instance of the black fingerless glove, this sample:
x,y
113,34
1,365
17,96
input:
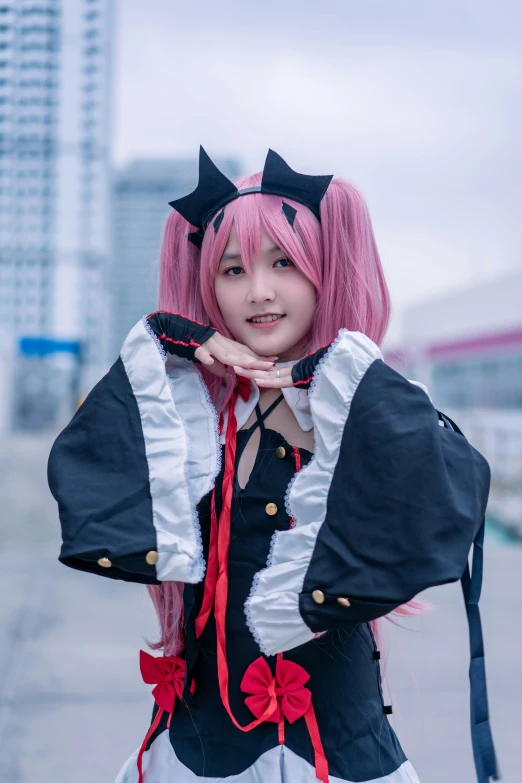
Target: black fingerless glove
x,y
303,371
179,335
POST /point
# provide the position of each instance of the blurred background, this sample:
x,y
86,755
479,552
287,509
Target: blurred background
x,y
103,106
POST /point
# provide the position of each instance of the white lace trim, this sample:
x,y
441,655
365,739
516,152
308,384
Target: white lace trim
x,y
199,567
248,611
271,548
313,384
154,336
320,363
289,488
209,405
211,408
287,505
255,581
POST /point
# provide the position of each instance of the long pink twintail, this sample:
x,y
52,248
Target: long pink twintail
x,y
168,602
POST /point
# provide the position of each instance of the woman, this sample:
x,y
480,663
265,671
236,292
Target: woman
x,y
253,460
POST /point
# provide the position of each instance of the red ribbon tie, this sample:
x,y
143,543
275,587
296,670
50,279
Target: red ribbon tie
x,y
168,675
293,701
243,387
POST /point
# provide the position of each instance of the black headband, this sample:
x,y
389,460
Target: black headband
x,y
214,191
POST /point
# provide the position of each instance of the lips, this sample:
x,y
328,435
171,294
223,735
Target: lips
x,y
277,317
265,325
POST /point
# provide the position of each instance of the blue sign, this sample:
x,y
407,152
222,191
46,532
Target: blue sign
x,y
44,346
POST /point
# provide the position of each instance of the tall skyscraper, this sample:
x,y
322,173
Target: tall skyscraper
x,y
55,81
141,194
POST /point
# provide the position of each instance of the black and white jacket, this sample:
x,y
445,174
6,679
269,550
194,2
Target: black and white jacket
x,y
388,505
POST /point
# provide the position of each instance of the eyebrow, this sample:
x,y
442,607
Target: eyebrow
x,y
237,256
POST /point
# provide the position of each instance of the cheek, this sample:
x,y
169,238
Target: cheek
x,y
222,296
303,295
227,299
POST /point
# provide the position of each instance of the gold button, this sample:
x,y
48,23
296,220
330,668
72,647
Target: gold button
x,y
151,557
343,601
104,562
318,596
280,452
271,509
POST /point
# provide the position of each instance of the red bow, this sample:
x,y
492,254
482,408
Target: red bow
x,y
293,701
243,387
168,674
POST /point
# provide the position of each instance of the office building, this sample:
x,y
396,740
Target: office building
x,y
55,81
466,346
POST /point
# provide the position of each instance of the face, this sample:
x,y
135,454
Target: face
x,y
274,288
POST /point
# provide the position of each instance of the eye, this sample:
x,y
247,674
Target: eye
x,y
234,270
285,261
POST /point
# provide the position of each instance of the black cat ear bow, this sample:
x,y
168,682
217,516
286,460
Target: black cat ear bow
x,y
214,191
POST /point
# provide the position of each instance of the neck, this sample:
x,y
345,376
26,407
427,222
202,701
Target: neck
x,y
267,397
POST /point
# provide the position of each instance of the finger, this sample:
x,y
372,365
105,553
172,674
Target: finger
x,y
284,372
268,379
241,360
274,383
231,347
252,363
203,355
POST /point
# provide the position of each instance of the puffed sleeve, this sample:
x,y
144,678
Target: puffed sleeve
x,y
138,456
389,505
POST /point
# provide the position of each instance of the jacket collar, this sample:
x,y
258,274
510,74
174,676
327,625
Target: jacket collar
x,y
297,400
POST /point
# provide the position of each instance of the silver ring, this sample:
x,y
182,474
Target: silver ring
x,y
277,373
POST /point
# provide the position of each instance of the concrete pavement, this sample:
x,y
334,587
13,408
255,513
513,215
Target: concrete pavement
x,y
72,703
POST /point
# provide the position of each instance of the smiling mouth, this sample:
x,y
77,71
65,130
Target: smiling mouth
x,y
265,319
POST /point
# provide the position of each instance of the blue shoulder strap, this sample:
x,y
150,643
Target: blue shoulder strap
x,y
471,581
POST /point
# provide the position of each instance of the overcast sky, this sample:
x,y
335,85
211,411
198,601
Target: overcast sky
x,y
418,103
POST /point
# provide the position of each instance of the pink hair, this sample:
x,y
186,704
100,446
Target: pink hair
x,y
338,255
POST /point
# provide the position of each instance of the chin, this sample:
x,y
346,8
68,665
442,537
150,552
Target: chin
x,y
271,345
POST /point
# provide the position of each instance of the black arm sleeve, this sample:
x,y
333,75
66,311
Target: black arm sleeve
x,y
130,468
389,506
179,335
406,500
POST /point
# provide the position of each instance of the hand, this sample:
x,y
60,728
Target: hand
x,y
193,340
300,375
219,351
268,379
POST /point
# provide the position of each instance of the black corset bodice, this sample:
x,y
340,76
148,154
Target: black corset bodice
x,y
342,664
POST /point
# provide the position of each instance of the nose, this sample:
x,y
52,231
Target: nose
x,y
261,288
